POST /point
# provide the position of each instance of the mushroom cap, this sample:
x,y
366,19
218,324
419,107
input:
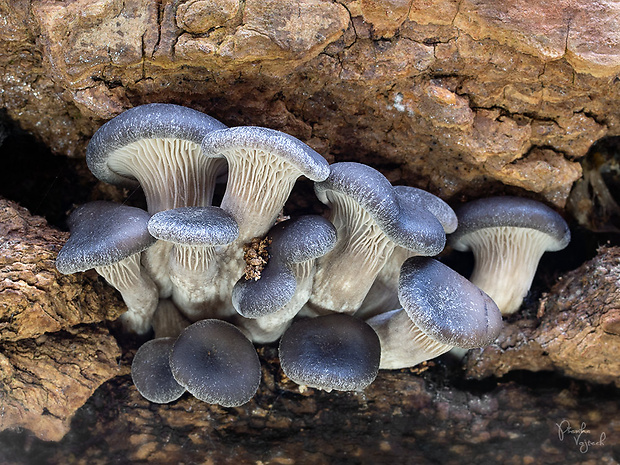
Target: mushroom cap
x,y
103,233
305,159
406,225
335,351
194,226
446,306
509,211
304,238
151,121
255,298
216,363
151,374
421,198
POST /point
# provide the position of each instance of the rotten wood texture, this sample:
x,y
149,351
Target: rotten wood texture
x,y
400,418
458,97
43,381
34,297
576,332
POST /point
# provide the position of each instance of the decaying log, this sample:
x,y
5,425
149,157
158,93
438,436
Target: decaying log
x,y
577,331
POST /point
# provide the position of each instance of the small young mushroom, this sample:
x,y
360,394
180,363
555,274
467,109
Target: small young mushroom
x,y
151,374
263,165
110,238
216,363
442,310
336,351
383,295
370,222
195,234
508,236
271,302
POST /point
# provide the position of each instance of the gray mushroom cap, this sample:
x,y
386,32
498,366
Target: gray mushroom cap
x,y
154,120
510,212
151,374
421,198
216,363
293,241
406,225
305,159
335,351
103,233
194,226
446,306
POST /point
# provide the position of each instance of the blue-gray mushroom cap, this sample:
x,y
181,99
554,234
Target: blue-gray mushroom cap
x,y
103,233
300,239
150,121
255,298
194,226
421,198
310,163
510,212
446,306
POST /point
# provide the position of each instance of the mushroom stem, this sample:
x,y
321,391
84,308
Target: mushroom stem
x,y
506,262
138,290
403,344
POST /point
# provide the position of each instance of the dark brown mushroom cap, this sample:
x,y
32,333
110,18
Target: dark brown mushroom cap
x,y
305,159
292,241
103,233
335,351
151,121
406,225
216,363
194,226
151,374
421,198
446,306
511,212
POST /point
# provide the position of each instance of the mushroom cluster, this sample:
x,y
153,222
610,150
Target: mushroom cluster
x,y
346,295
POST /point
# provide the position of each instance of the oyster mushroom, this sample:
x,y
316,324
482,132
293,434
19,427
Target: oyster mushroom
x,y
508,236
383,295
441,310
369,223
157,146
263,165
334,351
195,234
270,303
151,374
110,238
216,363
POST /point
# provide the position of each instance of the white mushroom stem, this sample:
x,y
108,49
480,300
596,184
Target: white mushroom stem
x,y
506,262
403,344
155,261
173,173
270,327
168,321
138,290
345,274
259,183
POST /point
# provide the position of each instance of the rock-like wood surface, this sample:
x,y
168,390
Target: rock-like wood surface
x,y
456,97
577,330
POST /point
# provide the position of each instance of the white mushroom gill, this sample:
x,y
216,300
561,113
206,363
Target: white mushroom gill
x,y
345,274
259,183
506,262
172,172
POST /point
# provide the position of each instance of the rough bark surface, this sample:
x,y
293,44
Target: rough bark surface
x,y
457,97
577,331
34,297
43,381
